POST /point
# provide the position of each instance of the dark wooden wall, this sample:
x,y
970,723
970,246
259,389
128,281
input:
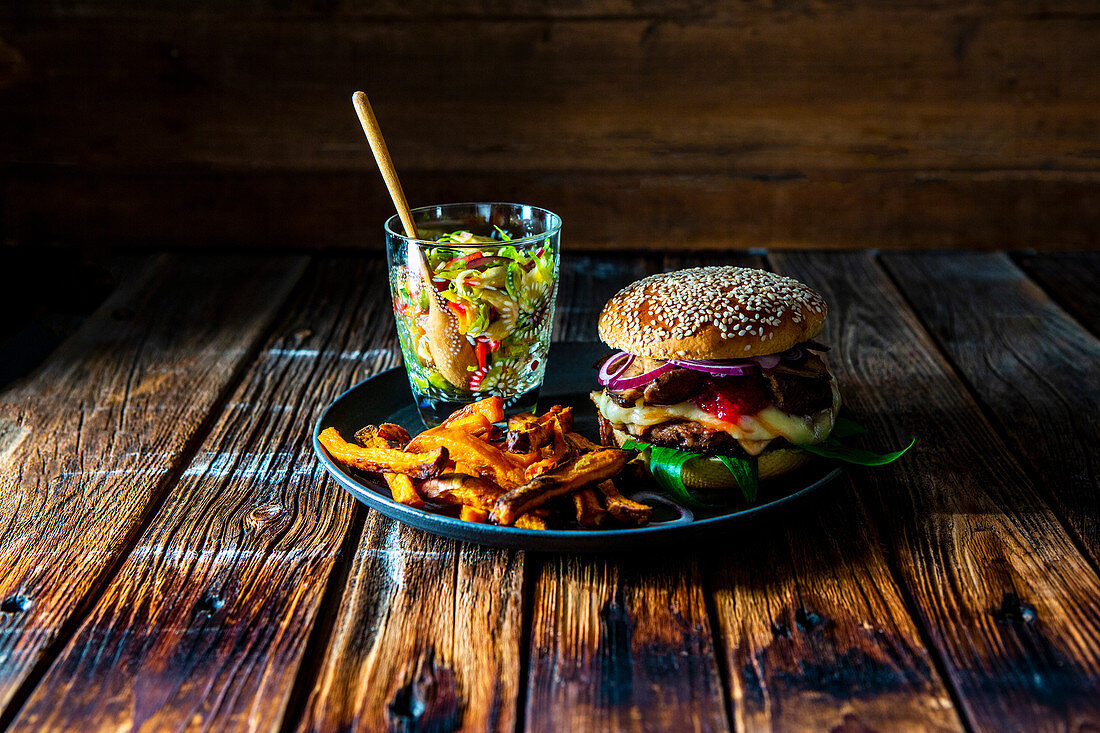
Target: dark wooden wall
x,y
689,123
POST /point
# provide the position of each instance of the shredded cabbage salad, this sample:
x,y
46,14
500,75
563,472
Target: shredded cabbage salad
x,y
498,296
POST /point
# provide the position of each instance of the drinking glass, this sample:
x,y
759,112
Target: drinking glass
x,y
474,301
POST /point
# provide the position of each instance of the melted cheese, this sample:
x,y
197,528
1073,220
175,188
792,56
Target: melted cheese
x,y
753,432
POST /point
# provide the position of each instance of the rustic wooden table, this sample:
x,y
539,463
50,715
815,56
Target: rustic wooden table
x,y
173,558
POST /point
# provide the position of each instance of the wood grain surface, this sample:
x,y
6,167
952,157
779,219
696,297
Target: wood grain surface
x,y
814,630
820,124
427,637
205,623
89,443
1071,279
1005,597
600,210
769,92
176,560
622,643
508,10
585,283
1028,362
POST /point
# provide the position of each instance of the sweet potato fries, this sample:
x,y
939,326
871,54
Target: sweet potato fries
x,y
534,474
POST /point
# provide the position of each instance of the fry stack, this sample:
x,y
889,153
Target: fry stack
x,y
534,474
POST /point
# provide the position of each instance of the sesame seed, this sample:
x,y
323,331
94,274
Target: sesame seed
x,y
734,301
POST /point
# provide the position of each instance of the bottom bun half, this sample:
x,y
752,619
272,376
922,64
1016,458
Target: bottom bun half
x,y
711,473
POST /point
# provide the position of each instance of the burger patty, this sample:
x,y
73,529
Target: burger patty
x,y
689,436
802,389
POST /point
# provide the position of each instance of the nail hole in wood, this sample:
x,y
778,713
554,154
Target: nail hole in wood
x,y
428,701
210,604
18,603
851,724
808,620
613,649
1014,610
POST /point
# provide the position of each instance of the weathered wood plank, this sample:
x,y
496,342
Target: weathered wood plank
x,y
585,284
427,637
817,635
759,121
926,92
622,644
1072,280
814,630
1006,599
88,442
611,210
1031,365
206,621
497,10
617,643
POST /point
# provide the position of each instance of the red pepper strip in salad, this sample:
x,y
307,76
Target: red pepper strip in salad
x,y
465,259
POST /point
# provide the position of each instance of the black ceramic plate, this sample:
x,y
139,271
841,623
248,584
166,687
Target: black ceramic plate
x,y
386,398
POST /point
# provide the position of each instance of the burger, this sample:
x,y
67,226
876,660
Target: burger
x,y
717,362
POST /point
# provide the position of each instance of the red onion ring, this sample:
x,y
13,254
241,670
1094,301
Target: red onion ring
x,y
739,367
686,515
485,260
717,368
638,381
610,370
767,363
606,374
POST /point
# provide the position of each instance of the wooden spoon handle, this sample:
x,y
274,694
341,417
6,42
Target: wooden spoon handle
x,y
385,163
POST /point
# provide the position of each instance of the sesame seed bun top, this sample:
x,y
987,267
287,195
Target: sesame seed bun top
x,y
711,313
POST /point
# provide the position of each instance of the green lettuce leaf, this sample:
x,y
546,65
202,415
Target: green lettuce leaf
x,y
481,320
745,474
667,465
439,255
832,448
